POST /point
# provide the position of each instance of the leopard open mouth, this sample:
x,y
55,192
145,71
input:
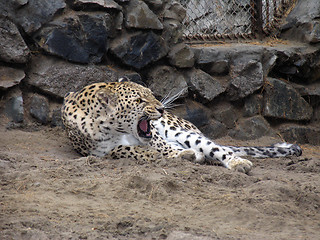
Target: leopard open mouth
x,y
144,128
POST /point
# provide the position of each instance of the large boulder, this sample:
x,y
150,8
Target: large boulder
x,y
95,4
194,112
303,22
281,100
13,106
299,64
82,37
39,108
10,77
12,47
58,77
35,13
252,128
246,73
203,84
301,134
139,49
166,81
138,15
181,56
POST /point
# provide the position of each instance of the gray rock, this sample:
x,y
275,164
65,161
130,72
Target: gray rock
x,y
181,56
253,105
175,11
33,15
301,134
302,22
172,32
56,120
214,129
95,4
282,101
14,108
226,114
57,77
206,55
12,46
154,5
10,77
138,15
246,77
194,112
39,108
139,49
251,128
165,80
300,64
79,38
202,83
213,61
304,11
308,90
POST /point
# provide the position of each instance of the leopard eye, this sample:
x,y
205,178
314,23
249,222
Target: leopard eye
x,y
138,100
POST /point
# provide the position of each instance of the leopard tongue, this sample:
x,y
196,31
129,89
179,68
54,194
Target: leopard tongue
x,y
143,125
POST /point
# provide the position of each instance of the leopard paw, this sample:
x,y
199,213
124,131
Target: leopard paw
x,y
192,155
239,165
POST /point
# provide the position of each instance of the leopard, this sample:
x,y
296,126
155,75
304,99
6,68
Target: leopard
x,y
124,119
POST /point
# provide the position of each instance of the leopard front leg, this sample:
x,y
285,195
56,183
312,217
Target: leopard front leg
x,y
139,154
172,150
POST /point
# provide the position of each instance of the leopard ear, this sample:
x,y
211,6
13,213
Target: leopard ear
x,y
106,97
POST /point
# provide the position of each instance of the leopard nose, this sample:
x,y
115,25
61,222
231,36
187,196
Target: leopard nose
x,y
160,110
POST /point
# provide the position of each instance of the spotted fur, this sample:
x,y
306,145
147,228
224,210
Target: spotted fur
x,y
124,119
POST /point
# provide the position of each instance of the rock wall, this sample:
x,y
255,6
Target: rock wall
x,y
48,48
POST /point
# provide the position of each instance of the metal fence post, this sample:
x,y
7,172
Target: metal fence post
x,y
258,28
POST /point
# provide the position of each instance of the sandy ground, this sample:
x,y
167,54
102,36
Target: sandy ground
x,y
49,192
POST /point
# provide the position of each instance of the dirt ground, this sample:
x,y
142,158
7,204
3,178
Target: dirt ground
x,y
49,192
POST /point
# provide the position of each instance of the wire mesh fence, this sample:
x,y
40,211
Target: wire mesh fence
x,y
233,19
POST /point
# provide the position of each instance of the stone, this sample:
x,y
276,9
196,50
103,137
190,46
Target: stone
x,y
81,38
253,105
10,77
56,120
175,11
308,90
300,64
139,49
154,5
301,134
39,108
165,80
282,101
203,84
225,113
14,108
251,128
95,4
302,23
57,77
194,112
181,56
138,15
12,46
214,129
206,55
246,78
36,13
172,32
213,61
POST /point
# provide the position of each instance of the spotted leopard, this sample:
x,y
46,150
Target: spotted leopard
x,y
124,119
